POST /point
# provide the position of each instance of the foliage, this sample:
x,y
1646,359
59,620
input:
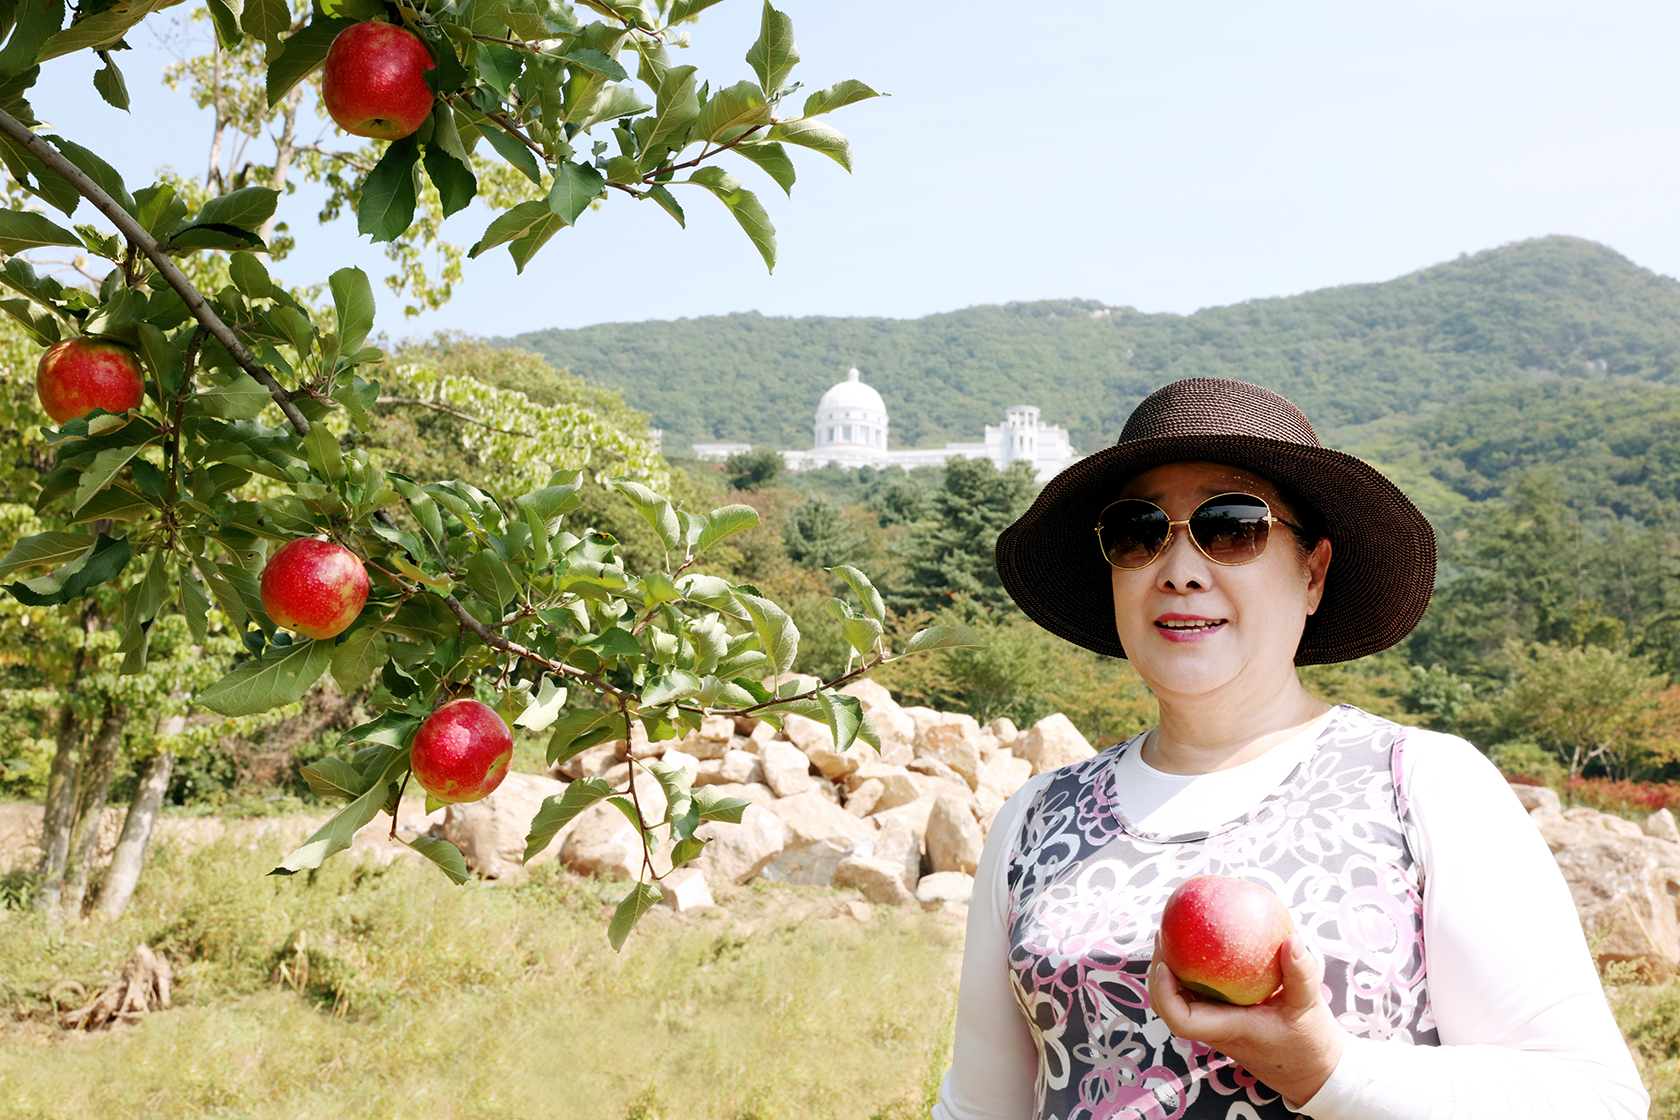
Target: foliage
x,y
951,555
819,534
1622,796
749,470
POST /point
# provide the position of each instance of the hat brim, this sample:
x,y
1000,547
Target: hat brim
x,y
1382,566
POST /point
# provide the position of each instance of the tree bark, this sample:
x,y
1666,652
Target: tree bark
x,y
284,149
90,807
60,812
126,862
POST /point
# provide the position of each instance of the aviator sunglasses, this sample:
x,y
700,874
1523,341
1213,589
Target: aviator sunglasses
x,y
1229,529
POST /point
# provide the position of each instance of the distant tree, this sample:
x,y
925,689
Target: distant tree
x,y
1587,703
902,502
952,554
751,470
819,535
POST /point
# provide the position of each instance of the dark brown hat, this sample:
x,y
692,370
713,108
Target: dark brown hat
x,y
1382,565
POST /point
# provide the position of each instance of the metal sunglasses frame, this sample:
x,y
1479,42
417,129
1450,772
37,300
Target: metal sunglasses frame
x,y
1166,541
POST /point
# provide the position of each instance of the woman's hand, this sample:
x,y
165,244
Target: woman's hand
x,y
1290,1041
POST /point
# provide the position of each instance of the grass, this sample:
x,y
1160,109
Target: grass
x,y
1649,1016
385,991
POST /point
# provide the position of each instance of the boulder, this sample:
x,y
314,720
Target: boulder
x,y
862,801
923,718
1624,891
945,891
1660,824
878,880
953,836
604,843
674,757
989,746
592,763
897,730
817,742
913,815
1052,742
898,845
742,766
712,740
1004,728
1536,797
736,853
820,835
1004,774
938,771
760,735
708,772
756,793
685,889
787,770
955,741
491,833
746,725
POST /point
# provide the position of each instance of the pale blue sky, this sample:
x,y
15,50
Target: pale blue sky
x,y
1166,156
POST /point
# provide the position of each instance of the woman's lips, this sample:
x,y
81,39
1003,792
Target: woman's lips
x,y
1187,627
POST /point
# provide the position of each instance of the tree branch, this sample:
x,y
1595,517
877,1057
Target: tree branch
x,y
137,235
451,411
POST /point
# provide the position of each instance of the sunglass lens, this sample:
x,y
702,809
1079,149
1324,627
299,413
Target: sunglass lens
x,y
1132,533
1231,529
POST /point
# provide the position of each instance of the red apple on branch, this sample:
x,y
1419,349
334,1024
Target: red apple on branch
x,y
1220,936
78,375
461,753
373,81
316,588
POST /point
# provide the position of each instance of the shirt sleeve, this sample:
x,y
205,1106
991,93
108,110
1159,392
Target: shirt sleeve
x,y
994,1062
1525,1030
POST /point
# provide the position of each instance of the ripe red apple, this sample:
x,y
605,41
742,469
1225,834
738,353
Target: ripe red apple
x,y
461,753
372,84
81,374
314,587
1220,936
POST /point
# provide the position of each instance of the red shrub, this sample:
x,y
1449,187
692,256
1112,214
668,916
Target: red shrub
x,y
1624,796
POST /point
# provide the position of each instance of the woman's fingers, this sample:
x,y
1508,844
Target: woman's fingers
x,y
1303,976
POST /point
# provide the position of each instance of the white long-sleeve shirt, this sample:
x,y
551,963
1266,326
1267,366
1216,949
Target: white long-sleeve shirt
x,y
1525,1030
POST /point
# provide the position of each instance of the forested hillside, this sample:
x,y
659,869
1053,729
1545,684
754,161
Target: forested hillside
x,y
1534,313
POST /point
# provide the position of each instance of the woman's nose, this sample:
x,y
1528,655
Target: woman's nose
x,y
1181,565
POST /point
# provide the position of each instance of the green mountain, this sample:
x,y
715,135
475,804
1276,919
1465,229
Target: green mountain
x,y
1554,319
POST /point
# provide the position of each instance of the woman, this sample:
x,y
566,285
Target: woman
x,y
1438,969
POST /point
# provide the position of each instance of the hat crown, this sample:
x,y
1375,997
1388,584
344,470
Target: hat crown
x,y
1218,406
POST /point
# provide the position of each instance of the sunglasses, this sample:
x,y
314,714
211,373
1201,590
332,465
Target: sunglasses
x,y
1229,529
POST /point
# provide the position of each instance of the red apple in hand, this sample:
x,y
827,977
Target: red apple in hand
x,y
461,753
372,81
1220,937
314,587
79,375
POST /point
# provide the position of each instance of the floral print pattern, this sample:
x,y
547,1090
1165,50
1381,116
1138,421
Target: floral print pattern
x,y
1086,891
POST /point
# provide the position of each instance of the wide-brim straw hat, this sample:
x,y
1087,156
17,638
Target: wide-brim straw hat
x,y
1382,564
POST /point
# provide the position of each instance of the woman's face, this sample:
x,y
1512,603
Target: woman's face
x,y
1194,628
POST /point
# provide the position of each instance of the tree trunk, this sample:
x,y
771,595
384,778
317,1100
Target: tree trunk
x,y
60,811
90,808
124,873
284,149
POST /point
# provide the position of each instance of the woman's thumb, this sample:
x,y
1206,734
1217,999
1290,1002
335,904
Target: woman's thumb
x,y
1303,976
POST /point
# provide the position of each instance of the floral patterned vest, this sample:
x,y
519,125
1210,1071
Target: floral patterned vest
x,y
1086,891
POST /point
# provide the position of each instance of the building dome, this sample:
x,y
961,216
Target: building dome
x,y
852,422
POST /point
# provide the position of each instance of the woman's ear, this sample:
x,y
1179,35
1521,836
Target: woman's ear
x,y
1318,566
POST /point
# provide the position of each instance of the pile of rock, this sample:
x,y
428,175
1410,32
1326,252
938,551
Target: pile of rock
x,y
903,825
1624,877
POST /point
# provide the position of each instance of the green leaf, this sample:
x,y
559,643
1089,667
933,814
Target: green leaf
x,y
224,14
247,209
300,55
615,641
353,302
773,159
844,715
639,901
393,729
108,83
674,685
686,850
838,96
596,63
544,708
337,833
21,231
715,806
41,325
736,107
280,676
677,782
491,580
748,211
356,657
321,451
249,276
943,637
334,778
527,226
656,511
105,466
552,501
456,184
861,633
678,108
37,22
726,522
557,812
48,549
687,9
817,136
865,591
385,209
576,185
96,169
513,150
613,103
773,56
445,855
266,20
778,637
234,395
575,732
667,203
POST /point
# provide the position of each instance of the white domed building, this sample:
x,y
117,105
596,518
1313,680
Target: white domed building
x,y
851,427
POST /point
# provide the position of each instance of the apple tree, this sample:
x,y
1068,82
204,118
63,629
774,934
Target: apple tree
x,y
245,438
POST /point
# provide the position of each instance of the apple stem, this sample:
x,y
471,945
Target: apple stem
x,y
138,237
397,808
